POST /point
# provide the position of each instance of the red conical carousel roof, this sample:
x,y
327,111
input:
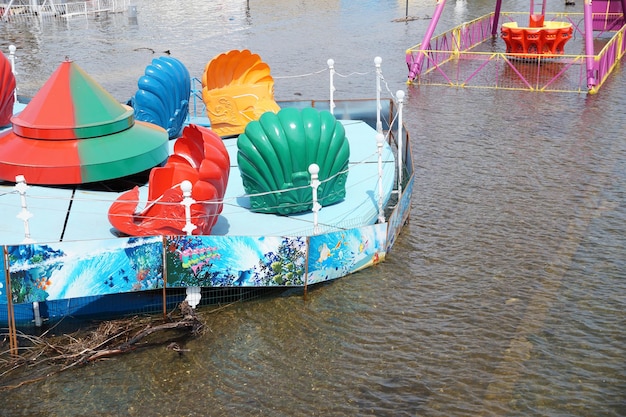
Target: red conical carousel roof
x,y
73,132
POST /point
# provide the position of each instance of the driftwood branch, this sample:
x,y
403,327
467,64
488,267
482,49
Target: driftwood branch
x,y
111,338
189,322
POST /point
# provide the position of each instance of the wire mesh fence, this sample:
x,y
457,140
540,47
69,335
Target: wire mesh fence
x,y
24,11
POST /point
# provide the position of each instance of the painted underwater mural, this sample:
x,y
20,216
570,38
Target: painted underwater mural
x,y
232,261
65,270
337,254
54,271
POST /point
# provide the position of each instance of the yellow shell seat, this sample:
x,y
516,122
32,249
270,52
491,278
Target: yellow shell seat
x,y
237,88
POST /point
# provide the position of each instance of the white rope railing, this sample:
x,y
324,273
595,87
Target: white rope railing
x,y
21,187
398,99
365,160
230,200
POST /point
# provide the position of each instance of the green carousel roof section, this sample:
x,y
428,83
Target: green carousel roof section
x,y
73,131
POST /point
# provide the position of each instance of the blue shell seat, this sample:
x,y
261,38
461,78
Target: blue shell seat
x,y
163,95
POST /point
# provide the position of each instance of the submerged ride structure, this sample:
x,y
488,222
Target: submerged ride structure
x,y
538,38
113,209
542,51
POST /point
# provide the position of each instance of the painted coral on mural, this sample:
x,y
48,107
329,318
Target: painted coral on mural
x,y
218,261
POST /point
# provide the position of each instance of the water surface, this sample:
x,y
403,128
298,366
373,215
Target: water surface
x,y
503,296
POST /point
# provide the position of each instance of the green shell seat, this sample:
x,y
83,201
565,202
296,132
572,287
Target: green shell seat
x,y
274,154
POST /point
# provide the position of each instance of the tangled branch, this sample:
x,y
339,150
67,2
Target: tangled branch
x,y
45,355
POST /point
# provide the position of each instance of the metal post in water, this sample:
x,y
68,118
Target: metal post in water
x,y
380,138
314,170
496,18
331,67
24,215
400,97
132,14
589,50
379,125
13,345
416,65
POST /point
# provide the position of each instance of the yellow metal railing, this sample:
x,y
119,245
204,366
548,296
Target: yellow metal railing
x,y
563,73
464,57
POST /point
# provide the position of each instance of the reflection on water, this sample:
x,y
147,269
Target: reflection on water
x,y
460,11
503,296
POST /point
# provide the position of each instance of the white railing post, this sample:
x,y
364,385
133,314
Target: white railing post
x,y
379,126
400,97
314,170
37,314
12,50
24,215
193,294
185,187
331,67
380,139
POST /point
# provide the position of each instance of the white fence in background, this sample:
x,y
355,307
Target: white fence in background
x,y
23,10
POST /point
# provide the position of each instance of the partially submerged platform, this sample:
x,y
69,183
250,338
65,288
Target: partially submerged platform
x,y
63,256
